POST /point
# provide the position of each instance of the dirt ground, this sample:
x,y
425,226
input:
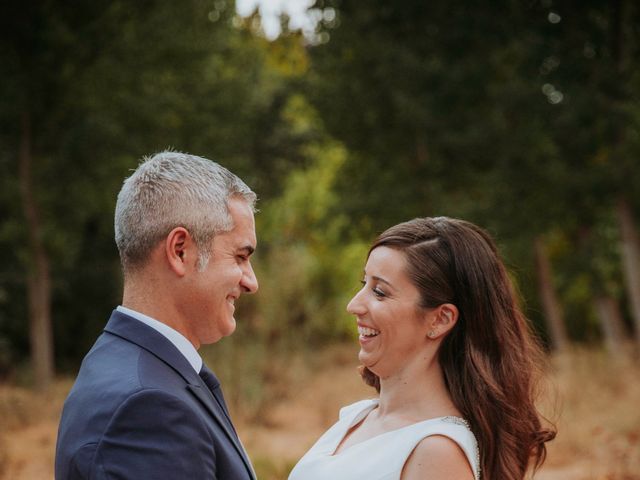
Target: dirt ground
x,y
599,424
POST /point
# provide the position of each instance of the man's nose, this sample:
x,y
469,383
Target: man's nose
x,y
249,282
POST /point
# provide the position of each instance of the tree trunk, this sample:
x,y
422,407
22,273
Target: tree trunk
x,y
553,313
630,260
611,323
628,232
38,274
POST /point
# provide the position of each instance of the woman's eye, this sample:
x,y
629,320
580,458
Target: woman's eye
x,y
376,290
379,293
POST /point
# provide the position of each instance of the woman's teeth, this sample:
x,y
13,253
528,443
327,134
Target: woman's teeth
x,y
367,332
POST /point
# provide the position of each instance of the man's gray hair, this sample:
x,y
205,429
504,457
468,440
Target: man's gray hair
x,y
169,190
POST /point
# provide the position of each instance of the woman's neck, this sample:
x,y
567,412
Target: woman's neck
x,y
416,393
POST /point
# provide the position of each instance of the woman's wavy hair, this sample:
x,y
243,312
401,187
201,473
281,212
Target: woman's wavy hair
x,y
491,360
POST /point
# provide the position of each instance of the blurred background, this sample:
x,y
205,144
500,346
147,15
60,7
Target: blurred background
x,y
345,117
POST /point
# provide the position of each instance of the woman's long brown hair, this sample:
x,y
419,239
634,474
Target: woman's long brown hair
x,y
491,360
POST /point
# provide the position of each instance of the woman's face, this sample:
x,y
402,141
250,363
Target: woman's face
x,y
392,330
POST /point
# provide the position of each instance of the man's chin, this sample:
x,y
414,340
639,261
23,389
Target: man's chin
x,y
230,327
219,331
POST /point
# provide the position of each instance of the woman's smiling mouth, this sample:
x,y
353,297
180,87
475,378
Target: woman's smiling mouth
x,y
367,332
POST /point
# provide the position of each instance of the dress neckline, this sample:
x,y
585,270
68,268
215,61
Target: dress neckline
x,y
364,413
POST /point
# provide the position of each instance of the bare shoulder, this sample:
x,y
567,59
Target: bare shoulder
x,y
437,458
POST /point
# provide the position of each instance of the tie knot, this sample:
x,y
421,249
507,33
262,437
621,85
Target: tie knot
x,y
209,378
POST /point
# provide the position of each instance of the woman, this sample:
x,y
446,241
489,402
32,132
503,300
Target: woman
x,y
444,343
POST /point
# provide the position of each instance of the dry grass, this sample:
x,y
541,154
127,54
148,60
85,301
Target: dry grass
x,y
598,402
598,409
28,425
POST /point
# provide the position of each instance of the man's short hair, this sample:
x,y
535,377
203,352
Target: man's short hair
x,y
172,189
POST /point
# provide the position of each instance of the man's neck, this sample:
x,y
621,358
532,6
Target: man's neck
x,y
145,297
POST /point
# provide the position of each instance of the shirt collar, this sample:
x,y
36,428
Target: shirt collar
x,y
185,347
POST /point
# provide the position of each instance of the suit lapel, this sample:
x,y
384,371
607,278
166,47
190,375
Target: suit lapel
x,y
153,341
207,398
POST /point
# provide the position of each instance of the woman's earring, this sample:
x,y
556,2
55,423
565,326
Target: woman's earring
x,y
431,334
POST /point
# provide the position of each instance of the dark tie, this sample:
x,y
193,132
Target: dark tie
x,y
211,381
209,378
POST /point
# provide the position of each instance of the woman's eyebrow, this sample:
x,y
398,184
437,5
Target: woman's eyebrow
x,y
379,279
382,280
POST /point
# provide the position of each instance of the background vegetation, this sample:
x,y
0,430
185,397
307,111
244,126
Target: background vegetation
x,y
520,116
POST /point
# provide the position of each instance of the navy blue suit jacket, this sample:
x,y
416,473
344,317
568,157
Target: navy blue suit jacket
x,y
138,410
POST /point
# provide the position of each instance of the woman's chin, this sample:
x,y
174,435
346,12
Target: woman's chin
x,y
362,357
367,360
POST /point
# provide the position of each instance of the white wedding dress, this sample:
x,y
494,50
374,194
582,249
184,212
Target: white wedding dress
x,y
381,457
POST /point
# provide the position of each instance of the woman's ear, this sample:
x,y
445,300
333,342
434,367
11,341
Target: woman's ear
x,y
442,320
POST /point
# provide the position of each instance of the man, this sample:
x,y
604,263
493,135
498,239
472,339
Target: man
x,y
144,406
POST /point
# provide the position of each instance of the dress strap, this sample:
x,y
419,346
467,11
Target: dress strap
x,y
457,429
355,409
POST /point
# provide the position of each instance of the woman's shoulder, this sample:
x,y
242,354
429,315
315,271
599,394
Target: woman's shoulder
x,y
450,441
354,409
441,458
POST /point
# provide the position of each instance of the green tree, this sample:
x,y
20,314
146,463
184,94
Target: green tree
x,y
87,90
520,117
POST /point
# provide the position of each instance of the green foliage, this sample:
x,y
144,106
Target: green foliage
x,y
522,118
309,265
102,85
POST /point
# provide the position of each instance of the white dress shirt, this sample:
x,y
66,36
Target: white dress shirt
x,y
185,347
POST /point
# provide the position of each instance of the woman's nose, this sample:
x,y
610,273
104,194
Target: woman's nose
x,y
355,305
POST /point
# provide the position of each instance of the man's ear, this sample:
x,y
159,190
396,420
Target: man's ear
x,y
442,319
180,250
